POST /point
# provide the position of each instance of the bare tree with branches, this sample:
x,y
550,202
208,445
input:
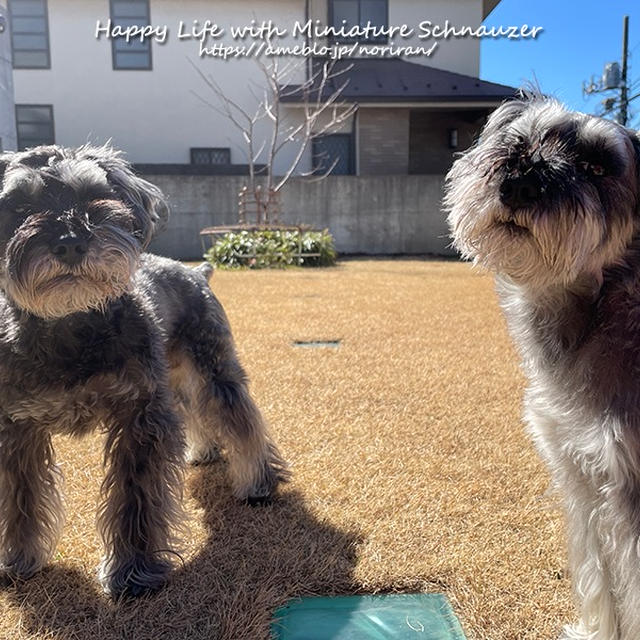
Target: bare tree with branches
x,y
321,110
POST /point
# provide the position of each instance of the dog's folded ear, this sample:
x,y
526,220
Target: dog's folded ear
x,y
145,199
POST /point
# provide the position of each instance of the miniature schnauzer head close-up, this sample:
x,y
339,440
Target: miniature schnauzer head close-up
x,y
73,224
546,195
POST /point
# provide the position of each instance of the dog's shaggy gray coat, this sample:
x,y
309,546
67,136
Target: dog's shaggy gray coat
x,y
549,199
96,334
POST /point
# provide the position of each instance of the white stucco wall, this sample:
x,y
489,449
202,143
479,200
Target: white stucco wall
x,y
7,111
154,115
456,54
461,55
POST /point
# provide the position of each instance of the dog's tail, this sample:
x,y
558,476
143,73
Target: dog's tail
x,y
205,269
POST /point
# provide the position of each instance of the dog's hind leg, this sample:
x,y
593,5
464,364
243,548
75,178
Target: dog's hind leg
x,y
255,464
228,414
188,387
31,513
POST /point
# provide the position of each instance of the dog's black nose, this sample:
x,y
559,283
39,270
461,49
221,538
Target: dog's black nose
x,y
520,191
69,249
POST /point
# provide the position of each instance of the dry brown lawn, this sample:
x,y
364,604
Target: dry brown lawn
x,y
411,471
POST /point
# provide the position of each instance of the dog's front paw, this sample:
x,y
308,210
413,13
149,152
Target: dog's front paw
x,y
19,567
132,578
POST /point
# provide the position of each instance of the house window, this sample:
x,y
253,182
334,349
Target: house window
x,y
34,123
134,54
29,34
210,155
334,149
359,12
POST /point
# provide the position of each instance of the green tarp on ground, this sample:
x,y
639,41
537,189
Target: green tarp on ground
x,y
424,616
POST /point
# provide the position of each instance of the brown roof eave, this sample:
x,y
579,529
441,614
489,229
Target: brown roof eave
x,y
419,98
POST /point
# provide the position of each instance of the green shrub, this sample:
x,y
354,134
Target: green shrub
x,y
260,249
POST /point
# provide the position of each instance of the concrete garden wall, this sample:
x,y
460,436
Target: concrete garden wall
x,y
366,214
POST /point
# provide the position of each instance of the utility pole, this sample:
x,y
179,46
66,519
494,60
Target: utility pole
x,y
624,101
615,78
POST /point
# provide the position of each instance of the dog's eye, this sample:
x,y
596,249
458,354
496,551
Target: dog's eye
x,y
14,208
591,168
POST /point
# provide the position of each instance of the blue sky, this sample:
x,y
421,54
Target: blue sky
x,y
579,37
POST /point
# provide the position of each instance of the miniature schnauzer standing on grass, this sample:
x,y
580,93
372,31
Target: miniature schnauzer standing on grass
x,y
94,333
549,200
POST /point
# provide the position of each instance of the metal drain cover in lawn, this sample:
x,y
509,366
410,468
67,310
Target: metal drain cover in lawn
x,y
316,344
423,616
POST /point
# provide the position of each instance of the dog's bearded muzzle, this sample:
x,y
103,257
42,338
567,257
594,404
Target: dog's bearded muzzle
x,y
49,285
527,229
547,196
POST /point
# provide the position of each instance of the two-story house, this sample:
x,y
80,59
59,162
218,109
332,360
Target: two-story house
x,y
71,87
74,84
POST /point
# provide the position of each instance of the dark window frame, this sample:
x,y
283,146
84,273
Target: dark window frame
x,y
211,150
350,136
30,33
114,51
18,123
380,40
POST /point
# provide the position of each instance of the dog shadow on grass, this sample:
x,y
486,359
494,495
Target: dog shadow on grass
x,y
253,560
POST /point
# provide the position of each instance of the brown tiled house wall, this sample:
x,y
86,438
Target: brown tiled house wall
x,y
383,141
